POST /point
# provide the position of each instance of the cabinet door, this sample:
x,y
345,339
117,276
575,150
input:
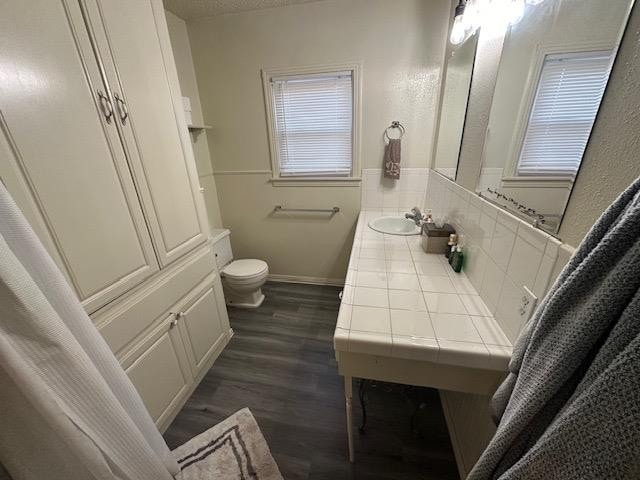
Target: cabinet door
x,y
202,328
61,160
159,373
141,72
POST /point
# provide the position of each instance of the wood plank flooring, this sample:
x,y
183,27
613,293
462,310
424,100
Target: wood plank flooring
x,y
280,363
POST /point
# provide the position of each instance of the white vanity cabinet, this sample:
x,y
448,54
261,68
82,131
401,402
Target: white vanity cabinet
x,y
95,150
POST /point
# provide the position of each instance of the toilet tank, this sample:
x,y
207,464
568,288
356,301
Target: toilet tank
x,y
222,247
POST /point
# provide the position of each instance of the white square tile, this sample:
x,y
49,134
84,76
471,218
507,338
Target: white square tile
x,y
464,354
341,340
394,240
552,247
403,281
431,268
399,266
370,343
461,283
374,253
543,277
500,357
371,297
411,323
490,331
492,284
415,243
371,265
399,254
502,245
524,263
415,348
369,244
536,237
370,319
508,220
438,284
475,306
344,316
453,327
507,312
444,303
407,300
485,231
372,198
371,279
475,265
347,294
350,278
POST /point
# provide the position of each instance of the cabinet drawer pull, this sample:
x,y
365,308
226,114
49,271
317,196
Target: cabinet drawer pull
x,y
123,112
105,106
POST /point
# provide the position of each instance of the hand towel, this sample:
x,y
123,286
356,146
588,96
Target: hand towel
x,y
392,158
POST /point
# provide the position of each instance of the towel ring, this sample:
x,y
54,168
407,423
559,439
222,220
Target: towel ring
x,y
397,125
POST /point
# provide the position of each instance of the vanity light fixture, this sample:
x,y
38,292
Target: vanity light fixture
x,y
458,31
495,16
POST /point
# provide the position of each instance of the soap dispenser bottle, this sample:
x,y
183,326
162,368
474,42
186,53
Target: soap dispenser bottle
x,y
458,260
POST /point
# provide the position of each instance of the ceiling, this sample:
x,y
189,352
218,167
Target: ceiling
x,y
189,9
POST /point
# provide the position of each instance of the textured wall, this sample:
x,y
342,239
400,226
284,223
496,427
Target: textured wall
x,y
612,159
401,46
189,88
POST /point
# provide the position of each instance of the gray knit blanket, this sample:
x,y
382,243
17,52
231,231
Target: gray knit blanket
x,y
570,406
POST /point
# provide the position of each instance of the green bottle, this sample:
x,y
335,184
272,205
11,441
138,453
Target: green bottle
x,y
458,259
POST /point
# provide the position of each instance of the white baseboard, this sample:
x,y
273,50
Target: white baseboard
x,y
337,282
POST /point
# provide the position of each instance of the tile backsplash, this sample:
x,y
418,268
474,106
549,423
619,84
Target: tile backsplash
x,y
405,193
503,253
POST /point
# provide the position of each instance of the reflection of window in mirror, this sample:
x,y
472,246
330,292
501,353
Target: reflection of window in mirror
x,y
567,95
554,67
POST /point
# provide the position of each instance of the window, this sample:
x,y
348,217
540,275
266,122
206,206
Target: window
x,y
566,101
312,124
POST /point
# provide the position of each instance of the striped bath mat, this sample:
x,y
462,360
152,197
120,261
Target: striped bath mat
x,y
233,449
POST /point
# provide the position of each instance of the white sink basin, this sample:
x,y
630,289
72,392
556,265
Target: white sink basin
x,y
394,226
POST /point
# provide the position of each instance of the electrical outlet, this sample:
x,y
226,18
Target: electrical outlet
x,y
527,304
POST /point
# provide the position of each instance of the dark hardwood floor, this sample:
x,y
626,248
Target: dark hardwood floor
x,y
281,364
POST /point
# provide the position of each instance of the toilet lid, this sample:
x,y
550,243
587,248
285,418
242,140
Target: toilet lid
x,y
247,267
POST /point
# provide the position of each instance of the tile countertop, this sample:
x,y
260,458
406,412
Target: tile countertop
x,y
399,301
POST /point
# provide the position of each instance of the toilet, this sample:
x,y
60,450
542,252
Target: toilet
x,y
242,279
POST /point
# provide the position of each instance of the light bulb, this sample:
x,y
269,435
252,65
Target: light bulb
x,y
458,30
534,2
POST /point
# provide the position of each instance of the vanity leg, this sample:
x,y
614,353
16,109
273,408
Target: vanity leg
x,y
348,395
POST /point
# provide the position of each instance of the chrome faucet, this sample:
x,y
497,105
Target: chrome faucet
x,y
415,215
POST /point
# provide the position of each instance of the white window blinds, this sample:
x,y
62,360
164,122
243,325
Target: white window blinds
x,y
314,123
566,102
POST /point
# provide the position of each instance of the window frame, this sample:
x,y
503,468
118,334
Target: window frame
x,y
314,180
510,176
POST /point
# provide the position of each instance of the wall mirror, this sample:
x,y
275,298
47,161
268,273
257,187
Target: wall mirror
x,y
453,106
553,71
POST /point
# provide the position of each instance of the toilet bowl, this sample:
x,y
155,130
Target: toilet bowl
x,y
241,279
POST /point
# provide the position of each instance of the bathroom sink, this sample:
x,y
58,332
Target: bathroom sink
x,y
394,226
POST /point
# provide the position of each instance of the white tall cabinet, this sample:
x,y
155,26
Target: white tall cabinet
x,y
95,150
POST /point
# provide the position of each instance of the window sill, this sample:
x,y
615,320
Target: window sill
x,y
315,181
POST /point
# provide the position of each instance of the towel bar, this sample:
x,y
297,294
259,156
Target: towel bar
x,y
280,208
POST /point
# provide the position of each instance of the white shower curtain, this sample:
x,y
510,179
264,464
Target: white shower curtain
x,y
67,409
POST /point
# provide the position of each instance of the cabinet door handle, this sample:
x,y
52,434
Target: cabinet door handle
x,y
123,111
105,106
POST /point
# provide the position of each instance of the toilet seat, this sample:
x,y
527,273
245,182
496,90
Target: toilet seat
x,y
245,269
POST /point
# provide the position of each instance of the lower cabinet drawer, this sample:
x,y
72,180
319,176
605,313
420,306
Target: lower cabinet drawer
x,y
160,373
